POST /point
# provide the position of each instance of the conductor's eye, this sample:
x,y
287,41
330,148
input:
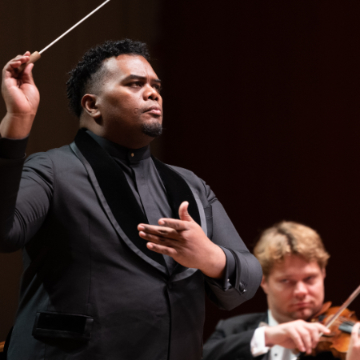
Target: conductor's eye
x,y
157,87
136,84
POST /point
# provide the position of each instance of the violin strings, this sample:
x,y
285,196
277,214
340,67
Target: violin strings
x,y
343,306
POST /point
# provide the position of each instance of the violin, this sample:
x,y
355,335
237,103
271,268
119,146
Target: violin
x,y
340,321
338,340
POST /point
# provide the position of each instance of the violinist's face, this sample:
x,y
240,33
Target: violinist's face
x,y
294,289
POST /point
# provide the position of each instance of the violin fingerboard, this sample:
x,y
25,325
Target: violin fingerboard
x,y
346,326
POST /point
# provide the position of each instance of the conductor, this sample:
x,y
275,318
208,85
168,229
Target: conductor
x,y
119,248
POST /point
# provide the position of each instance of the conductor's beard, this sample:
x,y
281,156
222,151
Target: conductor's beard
x,y
153,129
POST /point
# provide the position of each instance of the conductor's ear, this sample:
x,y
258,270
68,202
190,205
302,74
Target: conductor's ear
x,y
90,105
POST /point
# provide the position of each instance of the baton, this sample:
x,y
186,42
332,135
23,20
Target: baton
x,y
36,55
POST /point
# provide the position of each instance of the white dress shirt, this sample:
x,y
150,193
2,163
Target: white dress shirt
x,y
258,347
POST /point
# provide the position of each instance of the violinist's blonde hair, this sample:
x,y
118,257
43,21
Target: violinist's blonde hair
x,y
289,238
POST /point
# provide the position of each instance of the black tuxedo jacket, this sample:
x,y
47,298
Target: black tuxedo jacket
x,y
232,337
91,289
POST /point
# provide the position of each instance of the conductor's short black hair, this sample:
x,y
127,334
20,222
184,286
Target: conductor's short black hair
x,y
83,75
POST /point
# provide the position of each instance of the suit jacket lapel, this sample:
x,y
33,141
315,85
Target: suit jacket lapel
x,y
120,205
178,191
118,195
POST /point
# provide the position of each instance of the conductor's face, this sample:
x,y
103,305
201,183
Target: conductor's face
x,y
294,289
128,104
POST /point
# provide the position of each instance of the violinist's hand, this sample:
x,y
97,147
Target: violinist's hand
x,y
185,241
354,347
21,98
298,334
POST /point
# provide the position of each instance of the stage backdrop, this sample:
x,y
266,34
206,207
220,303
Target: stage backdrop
x,y
261,101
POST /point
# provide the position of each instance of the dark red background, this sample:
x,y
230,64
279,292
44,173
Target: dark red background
x,y
261,101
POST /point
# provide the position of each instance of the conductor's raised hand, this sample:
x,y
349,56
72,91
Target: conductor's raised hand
x,y
185,241
21,98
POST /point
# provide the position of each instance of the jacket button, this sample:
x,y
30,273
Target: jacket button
x,y
242,288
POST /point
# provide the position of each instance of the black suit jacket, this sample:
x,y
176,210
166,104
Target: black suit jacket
x,y
91,289
232,337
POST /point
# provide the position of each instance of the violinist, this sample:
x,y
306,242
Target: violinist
x,y
293,260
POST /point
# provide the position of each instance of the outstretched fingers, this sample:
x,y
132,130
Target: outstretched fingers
x,y
161,249
175,224
160,231
154,238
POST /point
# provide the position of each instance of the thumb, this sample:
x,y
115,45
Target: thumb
x,y
27,75
183,212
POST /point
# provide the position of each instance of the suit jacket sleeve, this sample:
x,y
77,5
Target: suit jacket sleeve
x,y
223,345
248,271
25,193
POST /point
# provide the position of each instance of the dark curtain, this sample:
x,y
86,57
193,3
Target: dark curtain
x,y
261,101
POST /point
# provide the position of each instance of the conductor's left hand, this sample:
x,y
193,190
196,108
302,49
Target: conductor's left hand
x,y
185,241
